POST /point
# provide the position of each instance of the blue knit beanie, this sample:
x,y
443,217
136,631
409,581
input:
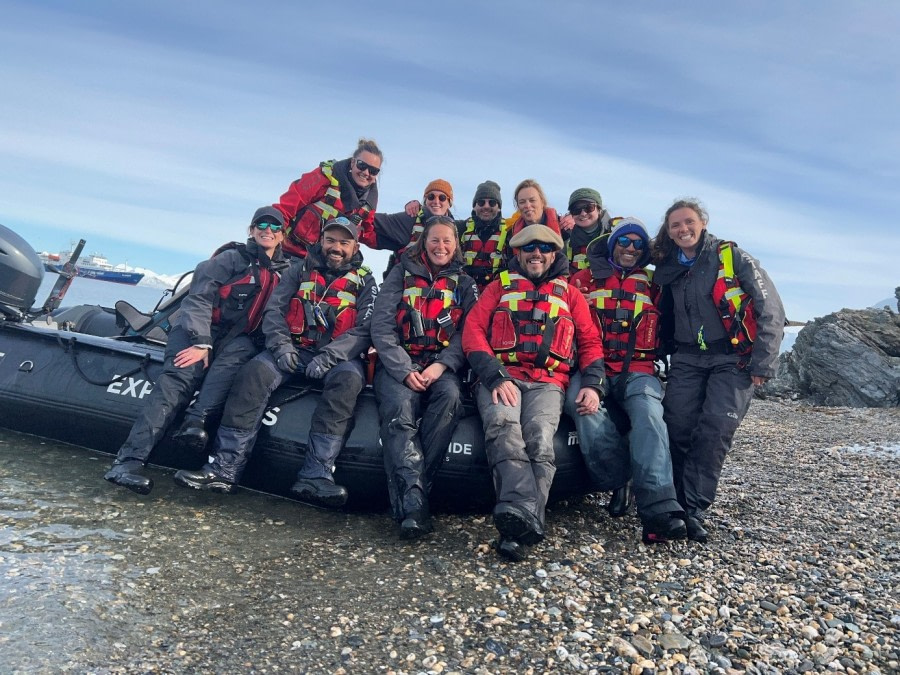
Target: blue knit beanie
x,y
628,225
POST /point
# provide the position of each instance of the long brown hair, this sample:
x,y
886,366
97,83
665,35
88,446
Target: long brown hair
x,y
663,246
417,250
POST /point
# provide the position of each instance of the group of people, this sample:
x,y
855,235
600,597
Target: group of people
x,y
542,312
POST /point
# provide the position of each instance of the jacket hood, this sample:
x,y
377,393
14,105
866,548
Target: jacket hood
x,y
276,262
670,269
351,193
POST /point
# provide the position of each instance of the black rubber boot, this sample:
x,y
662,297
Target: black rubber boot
x,y
516,523
129,474
320,492
620,501
511,550
416,520
662,528
695,530
204,479
192,433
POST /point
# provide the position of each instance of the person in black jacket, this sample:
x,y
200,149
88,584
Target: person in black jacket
x,y
724,320
417,330
316,324
215,335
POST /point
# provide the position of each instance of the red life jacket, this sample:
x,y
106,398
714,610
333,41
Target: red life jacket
x,y
320,312
550,218
735,305
484,259
629,319
245,295
305,228
428,315
533,326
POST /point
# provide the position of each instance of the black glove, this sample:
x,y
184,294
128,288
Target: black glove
x,y
317,367
355,218
287,363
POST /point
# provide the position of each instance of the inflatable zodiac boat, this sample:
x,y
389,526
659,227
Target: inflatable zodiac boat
x,y
81,375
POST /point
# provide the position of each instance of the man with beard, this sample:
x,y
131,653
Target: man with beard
x,y
521,339
317,323
484,237
628,439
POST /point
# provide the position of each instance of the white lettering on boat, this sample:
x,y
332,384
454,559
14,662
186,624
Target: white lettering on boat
x,y
271,418
129,387
572,439
460,448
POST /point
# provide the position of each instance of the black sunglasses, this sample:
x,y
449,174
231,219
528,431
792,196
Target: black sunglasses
x,y
543,246
439,196
362,166
590,207
266,225
625,242
487,202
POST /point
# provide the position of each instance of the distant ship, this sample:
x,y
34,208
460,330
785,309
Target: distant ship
x,y
93,266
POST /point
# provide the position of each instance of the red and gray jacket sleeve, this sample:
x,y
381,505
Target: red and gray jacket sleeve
x,y
274,324
306,190
385,338
356,341
769,312
475,339
209,276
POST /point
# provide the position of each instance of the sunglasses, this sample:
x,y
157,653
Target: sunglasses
x,y
542,246
625,242
266,225
362,166
587,208
436,196
487,202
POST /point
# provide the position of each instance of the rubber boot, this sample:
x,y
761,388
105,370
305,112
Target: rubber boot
x,y
128,473
416,521
664,527
192,433
516,523
233,448
695,530
205,479
315,484
619,501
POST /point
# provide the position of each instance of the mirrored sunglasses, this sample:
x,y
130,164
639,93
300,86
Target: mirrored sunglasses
x,y
439,196
362,166
266,225
625,242
542,246
577,210
486,202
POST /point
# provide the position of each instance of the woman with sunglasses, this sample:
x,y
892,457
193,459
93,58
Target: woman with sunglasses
x,y
398,231
723,323
585,221
347,187
216,333
417,330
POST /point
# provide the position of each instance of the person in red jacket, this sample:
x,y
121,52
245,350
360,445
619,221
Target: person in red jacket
x,y
628,438
344,188
521,339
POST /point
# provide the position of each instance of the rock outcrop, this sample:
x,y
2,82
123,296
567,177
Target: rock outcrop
x,y
848,358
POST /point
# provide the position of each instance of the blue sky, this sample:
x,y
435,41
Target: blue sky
x,y
155,129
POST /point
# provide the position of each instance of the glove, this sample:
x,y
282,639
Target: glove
x,y
317,368
356,219
287,363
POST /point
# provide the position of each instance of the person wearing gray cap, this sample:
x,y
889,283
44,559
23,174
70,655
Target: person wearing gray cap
x,y
585,221
627,438
317,325
521,339
216,333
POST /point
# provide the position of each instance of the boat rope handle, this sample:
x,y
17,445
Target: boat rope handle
x,y
70,349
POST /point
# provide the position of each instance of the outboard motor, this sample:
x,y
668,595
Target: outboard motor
x,y
21,274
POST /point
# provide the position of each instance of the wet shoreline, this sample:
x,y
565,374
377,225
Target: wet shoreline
x,y
802,572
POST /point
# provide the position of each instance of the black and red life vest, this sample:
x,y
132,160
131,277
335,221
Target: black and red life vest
x,y
533,326
244,295
320,312
484,259
629,319
305,228
414,235
428,314
734,304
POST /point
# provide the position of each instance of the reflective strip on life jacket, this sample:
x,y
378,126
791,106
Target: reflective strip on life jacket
x,y
309,325
483,256
428,313
735,305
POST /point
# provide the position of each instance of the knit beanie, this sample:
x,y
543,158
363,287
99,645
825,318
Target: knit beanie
x,y
440,185
586,195
487,190
627,226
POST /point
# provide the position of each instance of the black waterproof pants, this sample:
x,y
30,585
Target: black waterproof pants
x,y
706,398
174,388
416,429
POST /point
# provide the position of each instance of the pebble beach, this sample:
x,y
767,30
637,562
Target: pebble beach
x,y
801,573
